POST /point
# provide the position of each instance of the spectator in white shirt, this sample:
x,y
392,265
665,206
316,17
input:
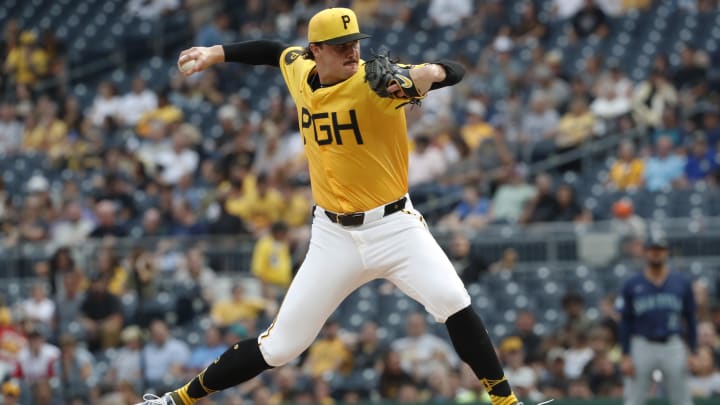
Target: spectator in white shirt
x,y
449,13
73,229
420,352
11,129
180,160
137,102
426,161
151,9
35,361
39,307
107,104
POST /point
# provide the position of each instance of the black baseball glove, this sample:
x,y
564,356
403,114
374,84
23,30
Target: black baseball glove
x,y
382,72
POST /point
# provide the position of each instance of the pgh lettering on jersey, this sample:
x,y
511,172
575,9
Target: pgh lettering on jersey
x,y
355,141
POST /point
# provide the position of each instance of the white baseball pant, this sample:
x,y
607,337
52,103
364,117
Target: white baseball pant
x,y
397,247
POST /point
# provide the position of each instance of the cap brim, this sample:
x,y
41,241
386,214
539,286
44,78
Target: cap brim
x,y
344,39
656,246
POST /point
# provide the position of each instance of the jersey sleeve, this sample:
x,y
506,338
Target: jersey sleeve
x,y
294,68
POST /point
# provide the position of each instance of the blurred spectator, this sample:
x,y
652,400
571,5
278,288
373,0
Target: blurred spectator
x,y
262,206
627,171
328,355
33,225
651,98
590,20
110,268
238,307
702,161
603,375
35,361
471,211
152,9
106,212
180,160
185,222
553,381
73,228
11,129
704,379
12,340
708,337
107,104
10,392
573,305
510,199
529,30
369,350
38,307
28,62
543,206
475,130
165,114
554,89
689,73
563,9
101,316
216,31
449,13
194,273
539,126
629,227
568,207
468,263
49,133
670,128
74,369
426,161
70,298
163,356
137,102
125,362
271,261
204,354
609,106
524,329
152,224
578,354
523,377
507,263
665,168
711,125
420,351
393,376
575,127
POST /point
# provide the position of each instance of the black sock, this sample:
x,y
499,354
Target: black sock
x,y
238,364
473,345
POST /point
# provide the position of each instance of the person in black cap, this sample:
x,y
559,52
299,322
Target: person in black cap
x,y
658,311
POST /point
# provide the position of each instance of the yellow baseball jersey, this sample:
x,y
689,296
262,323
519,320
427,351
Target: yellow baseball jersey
x,y
355,141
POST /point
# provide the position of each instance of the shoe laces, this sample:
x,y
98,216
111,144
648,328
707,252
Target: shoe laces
x,y
152,399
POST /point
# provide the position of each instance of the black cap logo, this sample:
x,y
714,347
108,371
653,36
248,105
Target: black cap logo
x,y
346,21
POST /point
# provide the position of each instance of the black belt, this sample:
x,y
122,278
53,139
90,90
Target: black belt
x,y
357,218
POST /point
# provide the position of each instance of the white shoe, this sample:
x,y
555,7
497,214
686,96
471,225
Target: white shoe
x,y
150,399
539,403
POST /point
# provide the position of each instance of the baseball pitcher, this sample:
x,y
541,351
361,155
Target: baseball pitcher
x,y
364,225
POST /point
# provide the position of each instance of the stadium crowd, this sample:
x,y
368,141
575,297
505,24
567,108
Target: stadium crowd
x,y
96,325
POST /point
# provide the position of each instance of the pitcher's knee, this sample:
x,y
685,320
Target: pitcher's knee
x,y
277,354
450,303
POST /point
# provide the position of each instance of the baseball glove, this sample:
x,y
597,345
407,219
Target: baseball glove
x,y
382,72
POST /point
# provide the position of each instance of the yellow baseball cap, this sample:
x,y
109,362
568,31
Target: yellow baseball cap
x,y
334,26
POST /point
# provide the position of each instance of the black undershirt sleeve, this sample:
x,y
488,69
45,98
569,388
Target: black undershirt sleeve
x,y
454,72
257,52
